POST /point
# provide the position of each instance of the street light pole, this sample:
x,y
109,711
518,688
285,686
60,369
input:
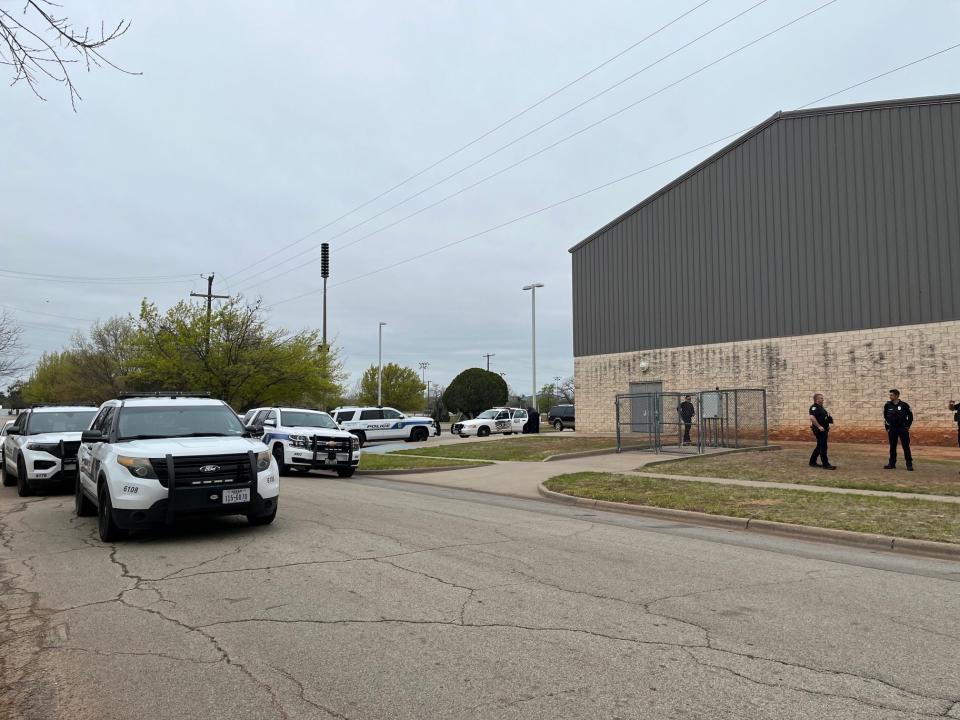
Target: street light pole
x,y
380,366
423,375
532,287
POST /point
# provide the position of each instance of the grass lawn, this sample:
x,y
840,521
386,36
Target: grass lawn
x,y
392,461
524,448
922,519
858,468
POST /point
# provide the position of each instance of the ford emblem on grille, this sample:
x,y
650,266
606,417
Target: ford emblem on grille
x,y
209,468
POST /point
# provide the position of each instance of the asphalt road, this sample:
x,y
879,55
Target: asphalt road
x,y
372,599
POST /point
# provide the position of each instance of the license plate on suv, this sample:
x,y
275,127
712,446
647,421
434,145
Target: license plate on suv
x,y
236,495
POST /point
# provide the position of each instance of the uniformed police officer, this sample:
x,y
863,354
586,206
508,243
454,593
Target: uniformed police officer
x,y
897,418
820,422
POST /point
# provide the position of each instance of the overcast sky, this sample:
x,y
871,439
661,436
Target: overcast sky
x,y
254,124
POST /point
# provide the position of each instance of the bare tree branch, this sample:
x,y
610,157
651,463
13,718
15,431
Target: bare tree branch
x,y
11,357
40,44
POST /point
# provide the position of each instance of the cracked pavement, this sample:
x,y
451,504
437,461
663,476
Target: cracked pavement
x,y
372,599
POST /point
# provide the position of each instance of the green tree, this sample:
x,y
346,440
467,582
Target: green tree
x,y
475,390
401,387
94,368
247,364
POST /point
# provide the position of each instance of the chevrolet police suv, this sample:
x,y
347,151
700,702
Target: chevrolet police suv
x,y
149,459
306,440
502,420
383,423
40,447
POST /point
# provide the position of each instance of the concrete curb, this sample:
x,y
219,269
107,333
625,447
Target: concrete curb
x,y
926,548
715,453
418,471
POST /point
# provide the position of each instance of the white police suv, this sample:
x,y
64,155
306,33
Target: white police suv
x,y
383,423
40,447
152,458
306,440
502,420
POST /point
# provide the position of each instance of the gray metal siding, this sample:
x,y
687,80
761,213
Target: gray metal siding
x,y
817,223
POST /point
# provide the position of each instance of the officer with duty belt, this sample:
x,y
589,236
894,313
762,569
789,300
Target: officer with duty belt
x,y
820,422
897,418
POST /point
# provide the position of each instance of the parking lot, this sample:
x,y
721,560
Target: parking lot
x,y
372,599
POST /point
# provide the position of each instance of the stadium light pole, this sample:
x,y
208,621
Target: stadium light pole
x,y
380,366
532,287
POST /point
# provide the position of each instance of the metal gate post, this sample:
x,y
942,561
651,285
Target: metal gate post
x,y
766,440
736,419
616,404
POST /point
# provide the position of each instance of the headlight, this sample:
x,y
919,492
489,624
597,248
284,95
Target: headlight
x,y
354,442
138,467
298,440
43,447
263,460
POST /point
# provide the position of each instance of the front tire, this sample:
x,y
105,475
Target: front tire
x,y
361,436
24,489
558,425
81,503
106,526
346,472
419,434
8,480
483,431
282,467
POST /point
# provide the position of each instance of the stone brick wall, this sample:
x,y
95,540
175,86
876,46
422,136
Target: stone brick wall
x,y
854,370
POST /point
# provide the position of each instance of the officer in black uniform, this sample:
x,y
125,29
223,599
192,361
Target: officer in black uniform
x,y
687,413
897,418
820,422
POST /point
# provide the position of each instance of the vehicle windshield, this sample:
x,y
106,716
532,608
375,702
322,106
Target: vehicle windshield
x,y
488,415
60,421
165,421
306,418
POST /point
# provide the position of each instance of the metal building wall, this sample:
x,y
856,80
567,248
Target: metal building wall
x,y
828,220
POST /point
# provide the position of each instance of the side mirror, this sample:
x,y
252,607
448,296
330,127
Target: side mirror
x,y
91,436
254,430
270,423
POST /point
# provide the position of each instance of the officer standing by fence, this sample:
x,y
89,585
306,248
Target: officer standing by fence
x,y
820,422
897,418
687,413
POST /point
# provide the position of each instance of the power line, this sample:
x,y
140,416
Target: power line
x,y
512,143
40,312
477,139
88,280
562,140
607,184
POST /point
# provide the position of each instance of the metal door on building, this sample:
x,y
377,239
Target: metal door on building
x,y
645,407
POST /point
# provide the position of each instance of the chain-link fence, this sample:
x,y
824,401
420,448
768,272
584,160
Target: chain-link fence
x,y
692,422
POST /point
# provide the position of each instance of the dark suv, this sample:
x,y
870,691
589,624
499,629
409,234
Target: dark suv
x,y
561,417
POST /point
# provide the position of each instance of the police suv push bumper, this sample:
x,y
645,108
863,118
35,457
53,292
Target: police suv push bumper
x,y
228,485
51,460
317,452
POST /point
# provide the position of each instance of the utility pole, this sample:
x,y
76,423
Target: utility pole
x,y
488,356
324,273
556,387
210,297
380,367
533,337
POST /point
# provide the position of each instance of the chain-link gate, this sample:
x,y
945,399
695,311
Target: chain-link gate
x,y
692,422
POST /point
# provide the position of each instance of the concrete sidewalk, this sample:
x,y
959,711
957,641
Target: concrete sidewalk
x,y
521,479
